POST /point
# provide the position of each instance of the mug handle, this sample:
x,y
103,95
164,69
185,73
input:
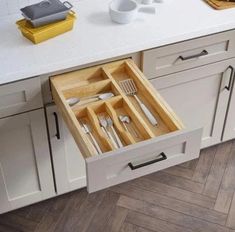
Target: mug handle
x,y
147,2
147,9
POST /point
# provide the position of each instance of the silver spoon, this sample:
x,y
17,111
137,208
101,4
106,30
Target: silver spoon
x,y
126,119
75,100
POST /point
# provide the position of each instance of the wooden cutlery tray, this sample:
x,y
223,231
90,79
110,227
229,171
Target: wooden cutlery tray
x,y
103,79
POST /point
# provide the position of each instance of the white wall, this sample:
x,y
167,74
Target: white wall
x,y
8,7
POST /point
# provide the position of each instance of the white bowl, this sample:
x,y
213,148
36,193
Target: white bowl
x,y
123,11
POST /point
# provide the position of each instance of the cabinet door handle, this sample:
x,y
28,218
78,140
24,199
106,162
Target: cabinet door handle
x,y
158,159
57,125
228,87
203,53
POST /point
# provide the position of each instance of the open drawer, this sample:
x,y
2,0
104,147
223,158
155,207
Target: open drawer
x,y
131,144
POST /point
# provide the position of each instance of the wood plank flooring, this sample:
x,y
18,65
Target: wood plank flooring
x,y
197,196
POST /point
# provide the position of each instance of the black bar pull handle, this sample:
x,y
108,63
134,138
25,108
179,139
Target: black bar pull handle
x,y
228,87
57,125
158,159
203,53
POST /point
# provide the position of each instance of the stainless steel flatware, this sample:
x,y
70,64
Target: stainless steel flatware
x,y
104,127
110,124
125,119
87,131
129,88
74,101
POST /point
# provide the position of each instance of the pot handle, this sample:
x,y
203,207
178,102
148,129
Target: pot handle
x,y
69,5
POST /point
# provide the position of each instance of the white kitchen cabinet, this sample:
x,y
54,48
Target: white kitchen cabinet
x,y
229,129
200,97
25,166
68,163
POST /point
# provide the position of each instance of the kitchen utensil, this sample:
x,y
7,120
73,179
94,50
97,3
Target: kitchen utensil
x,y
129,88
77,101
87,130
45,12
110,124
104,127
125,11
125,119
40,34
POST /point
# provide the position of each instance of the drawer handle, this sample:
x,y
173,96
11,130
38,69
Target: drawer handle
x,y
133,167
230,78
57,126
203,53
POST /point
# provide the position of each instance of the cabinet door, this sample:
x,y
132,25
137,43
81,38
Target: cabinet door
x,y
25,166
69,165
199,97
229,129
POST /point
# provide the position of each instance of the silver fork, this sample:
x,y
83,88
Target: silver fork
x,y
104,127
87,131
129,88
110,123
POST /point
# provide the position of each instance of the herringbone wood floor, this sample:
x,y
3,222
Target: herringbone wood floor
x,y
195,196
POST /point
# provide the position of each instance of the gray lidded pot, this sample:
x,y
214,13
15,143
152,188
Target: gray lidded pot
x,y
45,12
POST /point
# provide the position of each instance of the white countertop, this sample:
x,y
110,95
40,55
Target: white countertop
x,y
95,37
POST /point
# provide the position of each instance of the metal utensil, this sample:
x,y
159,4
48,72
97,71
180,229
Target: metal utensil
x,y
104,127
125,119
110,124
75,100
129,88
87,130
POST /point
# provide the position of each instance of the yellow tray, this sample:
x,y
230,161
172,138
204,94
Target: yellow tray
x,y
40,34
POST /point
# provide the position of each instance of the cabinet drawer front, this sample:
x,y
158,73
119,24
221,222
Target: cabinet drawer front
x,y
113,168
20,97
188,54
137,137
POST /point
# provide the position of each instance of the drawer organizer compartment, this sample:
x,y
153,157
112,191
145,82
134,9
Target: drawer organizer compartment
x,y
110,109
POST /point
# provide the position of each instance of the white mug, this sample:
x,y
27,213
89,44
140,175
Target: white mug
x,y
125,11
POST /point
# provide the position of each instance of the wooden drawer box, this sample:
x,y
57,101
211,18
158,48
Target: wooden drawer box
x,y
185,55
146,148
20,97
